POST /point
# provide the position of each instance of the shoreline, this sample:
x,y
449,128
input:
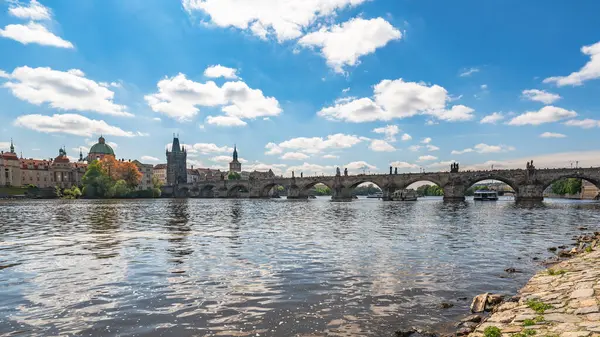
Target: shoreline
x,y
562,300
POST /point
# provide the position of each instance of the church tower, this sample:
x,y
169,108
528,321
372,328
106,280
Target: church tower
x,y
235,165
176,164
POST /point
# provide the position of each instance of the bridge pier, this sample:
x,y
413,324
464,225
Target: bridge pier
x,y
454,192
295,193
530,193
341,194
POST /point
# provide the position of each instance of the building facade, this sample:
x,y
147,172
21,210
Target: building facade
x,y
176,164
10,167
147,171
160,172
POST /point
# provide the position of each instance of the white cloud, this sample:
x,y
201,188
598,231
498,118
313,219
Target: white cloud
x,y
72,124
83,149
4,74
427,158
584,123
284,19
342,45
390,132
225,121
492,119
210,148
590,70
379,145
426,140
4,146
432,148
149,158
318,144
64,90
540,96
34,33
113,144
553,160
310,169
406,137
484,87
294,156
226,159
398,99
403,165
356,167
156,119
546,114
35,11
330,156
441,164
469,72
485,148
345,90
552,135
273,149
414,148
220,71
179,98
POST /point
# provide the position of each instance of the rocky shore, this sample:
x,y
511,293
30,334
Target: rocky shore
x,y
561,301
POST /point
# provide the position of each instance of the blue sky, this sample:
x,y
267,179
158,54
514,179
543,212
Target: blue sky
x,y
305,86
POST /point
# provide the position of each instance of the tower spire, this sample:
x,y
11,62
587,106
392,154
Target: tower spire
x,y
235,153
12,146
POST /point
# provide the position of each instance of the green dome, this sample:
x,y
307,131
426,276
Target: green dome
x,y
102,148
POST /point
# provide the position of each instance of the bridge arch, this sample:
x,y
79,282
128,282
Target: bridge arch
x,y
312,184
264,191
474,180
426,188
207,191
412,180
575,175
234,190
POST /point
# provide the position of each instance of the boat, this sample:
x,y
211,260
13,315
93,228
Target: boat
x,y
405,195
377,195
484,195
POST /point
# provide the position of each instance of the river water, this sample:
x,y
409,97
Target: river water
x,y
193,267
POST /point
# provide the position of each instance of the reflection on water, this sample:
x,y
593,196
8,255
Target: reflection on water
x,y
270,267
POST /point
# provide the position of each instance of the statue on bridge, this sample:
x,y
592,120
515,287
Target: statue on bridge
x,y
346,172
454,168
530,166
396,171
293,174
301,175
390,170
222,176
337,172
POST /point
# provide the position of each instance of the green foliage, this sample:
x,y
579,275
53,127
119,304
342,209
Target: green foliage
x,y
366,190
538,306
156,192
234,176
492,331
72,193
430,190
567,186
321,189
588,249
156,183
472,189
280,188
525,333
97,183
556,272
58,191
31,186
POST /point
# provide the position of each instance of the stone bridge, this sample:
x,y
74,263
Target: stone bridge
x,y
528,184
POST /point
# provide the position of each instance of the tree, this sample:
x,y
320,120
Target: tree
x,y
566,186
129,172
96,181
234,176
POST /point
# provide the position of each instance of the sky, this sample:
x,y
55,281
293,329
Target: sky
x,y
305,86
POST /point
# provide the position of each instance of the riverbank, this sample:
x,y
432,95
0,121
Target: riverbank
x,y
563,300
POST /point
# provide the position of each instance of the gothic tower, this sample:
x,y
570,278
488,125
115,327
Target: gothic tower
x,y
235,165
176,164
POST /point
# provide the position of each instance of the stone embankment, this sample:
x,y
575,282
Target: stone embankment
x,y
563,301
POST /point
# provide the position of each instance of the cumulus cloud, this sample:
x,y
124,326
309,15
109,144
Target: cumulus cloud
x,y
226,159
379,145
546,114
492,119
220,71
33,11
390,131
342,45
359,167
72,124
552,160
485,148
311,169
406,137
273,149
432,147
285,20
552,135
426,140
398,99
294,156
150,159
179,98
64,90
590,70
210,148
540,96
403,165
34,33
584,123
317,144
414,148
427,158
225,121
330,156
469,72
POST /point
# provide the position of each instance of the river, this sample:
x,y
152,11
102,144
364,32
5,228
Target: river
x,y
201,267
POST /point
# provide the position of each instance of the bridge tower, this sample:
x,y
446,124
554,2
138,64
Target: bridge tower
x,y
176,164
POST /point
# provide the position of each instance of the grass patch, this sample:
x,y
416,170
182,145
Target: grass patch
x,y
492,331
556,272
538,306
525,333
537,320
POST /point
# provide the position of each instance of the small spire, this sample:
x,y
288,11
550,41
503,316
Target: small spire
x,y
12,146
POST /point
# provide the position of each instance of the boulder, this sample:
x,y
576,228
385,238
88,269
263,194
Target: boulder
x,y
479,302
